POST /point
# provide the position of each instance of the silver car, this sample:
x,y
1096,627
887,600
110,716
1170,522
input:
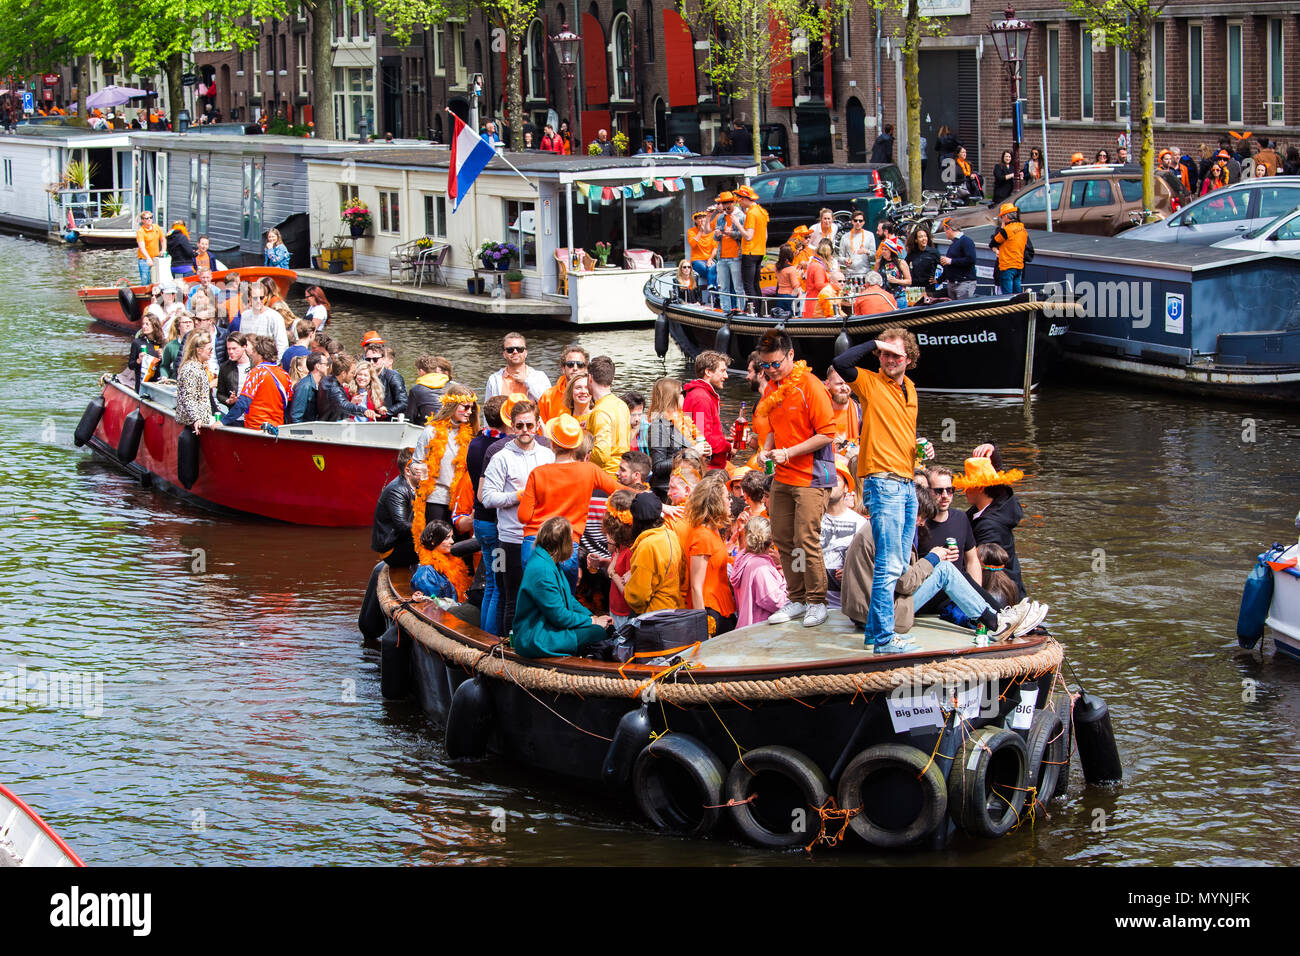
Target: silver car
x,y
1280,236
1225,213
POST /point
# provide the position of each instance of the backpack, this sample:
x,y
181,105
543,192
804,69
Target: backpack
x,y
1029,250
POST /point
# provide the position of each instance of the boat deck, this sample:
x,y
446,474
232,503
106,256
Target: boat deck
x,y
444,297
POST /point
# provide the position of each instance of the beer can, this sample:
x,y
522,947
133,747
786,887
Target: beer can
x,y
952,543
769,467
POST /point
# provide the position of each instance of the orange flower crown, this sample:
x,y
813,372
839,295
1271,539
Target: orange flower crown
x,y
459,398
621,515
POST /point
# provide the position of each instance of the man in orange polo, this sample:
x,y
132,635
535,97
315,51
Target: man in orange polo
x,y
149,244
797,409
700,252
886,454
728,227
753,244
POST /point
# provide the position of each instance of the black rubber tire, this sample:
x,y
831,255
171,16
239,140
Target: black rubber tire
x,y
469,720
898,791
89,421
986,789
126,299
394,664
661,335
1047,753
787,788
187,457
1065,712
128,443
677,782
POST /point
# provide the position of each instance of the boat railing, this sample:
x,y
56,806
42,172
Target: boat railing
x,y
88,204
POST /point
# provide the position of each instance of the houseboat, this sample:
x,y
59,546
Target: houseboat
x,y
36,195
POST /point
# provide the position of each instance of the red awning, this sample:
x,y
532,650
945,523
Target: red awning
x,y
679,50
595,62
782,74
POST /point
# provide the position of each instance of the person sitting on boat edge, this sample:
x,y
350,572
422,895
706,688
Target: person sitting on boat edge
x,y
428,579
264,399
655,565
839,524
831,296
549,621
302,408
994,510
390,532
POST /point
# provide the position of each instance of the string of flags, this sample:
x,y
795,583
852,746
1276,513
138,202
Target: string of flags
x,y
596,193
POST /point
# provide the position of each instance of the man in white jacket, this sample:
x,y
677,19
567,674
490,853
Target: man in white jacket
x,y
502,482
259,320
857,248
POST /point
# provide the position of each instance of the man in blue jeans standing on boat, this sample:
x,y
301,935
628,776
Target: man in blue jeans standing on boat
x,y
728,230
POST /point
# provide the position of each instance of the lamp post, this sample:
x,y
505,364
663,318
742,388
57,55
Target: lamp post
x,y
565,43
1010,36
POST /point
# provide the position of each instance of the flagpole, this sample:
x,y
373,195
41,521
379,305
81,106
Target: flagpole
x,y
501,156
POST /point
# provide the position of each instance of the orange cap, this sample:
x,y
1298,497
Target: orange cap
x,y
371,338
726,197
566,433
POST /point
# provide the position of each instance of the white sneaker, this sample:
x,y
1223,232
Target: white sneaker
x,y
1009,618
789,612
1036,617
816,615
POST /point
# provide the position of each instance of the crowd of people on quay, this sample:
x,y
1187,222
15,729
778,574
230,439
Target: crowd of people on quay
x,y
585,507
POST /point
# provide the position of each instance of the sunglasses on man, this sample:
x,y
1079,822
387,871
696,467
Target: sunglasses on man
x,y
513,349
767,366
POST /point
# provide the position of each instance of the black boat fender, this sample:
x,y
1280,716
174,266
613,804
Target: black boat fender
x,y
1048,754
469,720
772,793
677,782
371,621
394,663
126,299
843,342
89,421
722,340
128,443
631,735
1098,753
986,789
187,457
661,335
897,791
1256,599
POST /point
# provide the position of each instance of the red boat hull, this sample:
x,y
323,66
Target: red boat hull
x,y
297,480
105,308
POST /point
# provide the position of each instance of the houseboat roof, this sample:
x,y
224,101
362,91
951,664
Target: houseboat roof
x,y
241,143
46,134
556,166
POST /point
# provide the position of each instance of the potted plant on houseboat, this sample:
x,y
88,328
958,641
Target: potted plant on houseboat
x,y
601,252
356,216
515,278
498,255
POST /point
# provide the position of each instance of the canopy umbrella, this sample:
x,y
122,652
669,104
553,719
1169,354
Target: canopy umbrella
x,y
113,96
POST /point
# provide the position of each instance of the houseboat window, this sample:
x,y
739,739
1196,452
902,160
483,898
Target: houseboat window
x,y
347,193
251,210
9,173
389,212
521,229
202,218
435,216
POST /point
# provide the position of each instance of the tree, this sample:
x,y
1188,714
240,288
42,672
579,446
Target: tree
x,y
759,36
1127,24
321,15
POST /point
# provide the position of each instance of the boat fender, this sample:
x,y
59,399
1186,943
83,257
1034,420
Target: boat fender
x,y
128,443
632,734
187,457
842,343
126,299
371,621
89,421
661,335
469,720
394,664
1048,754
897,792
986,789
1095,738
772,795
677,782
1256,599
1063,707
722,340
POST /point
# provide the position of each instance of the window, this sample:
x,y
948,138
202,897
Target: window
x,y
390,214
9,173
622,57
347,194
251,202
1121,83
1195,85
1158,68
439,47
1053,73
301,42
1233,56
1276,200
766,189
257,70
1227,208
796,186
202,219
458,52
435,216
845,34
855,183
1085,71
1089,192
1290,230
1275,98
521,229
1130,190
535,65
1033,201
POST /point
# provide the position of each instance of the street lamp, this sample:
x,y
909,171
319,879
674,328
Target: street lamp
x,y
565,43
1010,36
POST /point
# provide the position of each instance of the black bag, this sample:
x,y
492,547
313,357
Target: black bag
x,y
670,629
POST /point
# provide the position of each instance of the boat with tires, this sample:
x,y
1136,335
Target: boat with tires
x,y
313,473
1270,602
783,735
119,307
979,346
26,839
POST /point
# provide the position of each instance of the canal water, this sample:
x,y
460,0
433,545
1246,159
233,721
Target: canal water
x,y
218,707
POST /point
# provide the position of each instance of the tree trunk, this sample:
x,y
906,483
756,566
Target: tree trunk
x,y
515,91
1146,110
757,137
912,89
175,92
322,67
83,84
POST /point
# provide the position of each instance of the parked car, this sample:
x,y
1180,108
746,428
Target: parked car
x,y
1093,200
1280,235
794,196
1225,213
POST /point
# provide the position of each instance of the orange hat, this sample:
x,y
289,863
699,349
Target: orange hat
x,y
725,197
842,470
746,192
1076,157
1222,154
980,474
371,338
735,473
507,407
699,215
801,230
566,433
1007,209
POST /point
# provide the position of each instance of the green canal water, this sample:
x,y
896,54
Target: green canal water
x,y
226,712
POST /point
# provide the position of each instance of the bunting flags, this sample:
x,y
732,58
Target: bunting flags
x,y
597,193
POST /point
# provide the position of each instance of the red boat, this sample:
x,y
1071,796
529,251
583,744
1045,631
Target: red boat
x,y
26,839
119,307
314,473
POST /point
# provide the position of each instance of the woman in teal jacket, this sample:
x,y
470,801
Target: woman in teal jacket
x,y
549,621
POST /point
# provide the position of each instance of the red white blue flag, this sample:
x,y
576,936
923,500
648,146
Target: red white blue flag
x,y
470,152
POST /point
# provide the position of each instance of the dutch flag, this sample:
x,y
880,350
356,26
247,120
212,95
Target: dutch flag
x,y
470,152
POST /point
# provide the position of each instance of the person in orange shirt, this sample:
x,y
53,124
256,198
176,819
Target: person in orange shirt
x,y
753,245
700,239
848,417
873,299
797,410
551,403
727,232
706,581
265,396
149,244
815,277
802,251
831,295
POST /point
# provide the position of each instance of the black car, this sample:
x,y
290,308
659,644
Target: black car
x,y
795,196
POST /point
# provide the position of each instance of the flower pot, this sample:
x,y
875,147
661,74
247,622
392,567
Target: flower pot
x,y
471,285
357,231
480,285
503,265
336,266
516,289
315,262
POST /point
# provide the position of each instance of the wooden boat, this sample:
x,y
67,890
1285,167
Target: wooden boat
x,y
791,735
315,473
26,839
978,346
105,238
120,307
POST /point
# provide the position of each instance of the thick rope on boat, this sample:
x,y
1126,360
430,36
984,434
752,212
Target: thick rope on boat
x,y
532,676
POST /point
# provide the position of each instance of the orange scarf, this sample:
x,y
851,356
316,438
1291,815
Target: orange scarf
x,y
964,166
437,448
453,569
